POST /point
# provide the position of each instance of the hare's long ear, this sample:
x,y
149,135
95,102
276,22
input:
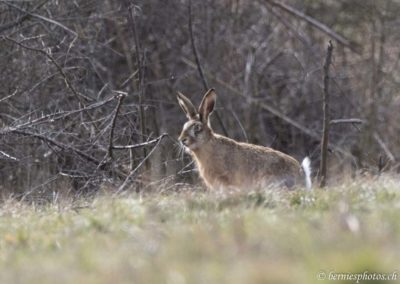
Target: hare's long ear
x,y
187,106
207,105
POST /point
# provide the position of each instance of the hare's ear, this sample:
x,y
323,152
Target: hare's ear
x,y
187,106
207,105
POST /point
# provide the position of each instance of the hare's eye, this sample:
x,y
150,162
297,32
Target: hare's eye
x,y
198,128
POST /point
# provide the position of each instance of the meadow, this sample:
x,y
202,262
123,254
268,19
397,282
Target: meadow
x,y
196,236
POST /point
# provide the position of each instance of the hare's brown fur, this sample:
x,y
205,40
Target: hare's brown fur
x,y
226,163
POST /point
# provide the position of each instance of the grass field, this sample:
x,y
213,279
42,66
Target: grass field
x,y
206,237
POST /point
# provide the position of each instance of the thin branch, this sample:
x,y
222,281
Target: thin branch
x,y
320,26
246,138
57,144
127,180
43,18
59,68
384,147
140,144
141,74
8,156
69,85
9,96
114,120
199,67
325,134
194,49
22,18
346,120
55,116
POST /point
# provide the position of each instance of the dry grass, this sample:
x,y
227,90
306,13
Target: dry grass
x,y
204,237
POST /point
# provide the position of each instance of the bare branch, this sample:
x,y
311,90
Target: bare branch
x,y
140,144
114,120
141,73
57,144
59,68
346,120
199,68
9,96
325,135
320,26
43,18
384,147
22,18
8,156
132,173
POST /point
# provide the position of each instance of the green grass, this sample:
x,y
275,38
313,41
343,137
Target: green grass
x,y
205,237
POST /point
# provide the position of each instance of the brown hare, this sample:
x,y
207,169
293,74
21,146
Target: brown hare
x,y
224,163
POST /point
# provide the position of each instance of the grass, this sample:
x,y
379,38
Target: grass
x,y
205,237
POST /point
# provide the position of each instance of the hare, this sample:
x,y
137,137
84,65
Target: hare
x,y
224,163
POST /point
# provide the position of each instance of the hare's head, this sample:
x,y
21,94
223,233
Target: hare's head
x,y
197,131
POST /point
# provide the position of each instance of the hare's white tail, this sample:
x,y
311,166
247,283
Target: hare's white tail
x,y
306,165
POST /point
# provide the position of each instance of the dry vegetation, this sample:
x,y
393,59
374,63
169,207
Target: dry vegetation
x,y
204,237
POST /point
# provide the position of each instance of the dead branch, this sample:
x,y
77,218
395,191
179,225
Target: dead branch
x,y
9,96
59,68
22,18
325,134
57,144
114,120
135,146
55,116
132,173
141,72
194,49
43,18
317,24
346,120
9,156
199,66
384,147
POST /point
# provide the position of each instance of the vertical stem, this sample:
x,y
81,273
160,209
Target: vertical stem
x,y
114,120
199,68
325,135
140,63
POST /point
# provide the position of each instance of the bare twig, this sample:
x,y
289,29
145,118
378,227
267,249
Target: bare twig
x,y
57,144
132,173
199,67
59,68
8,156
22,18
43,18
140,144
384,147
325,134
55,116
114,120
141,73
69,85
246,138
320,26
194,49
9,96
346,120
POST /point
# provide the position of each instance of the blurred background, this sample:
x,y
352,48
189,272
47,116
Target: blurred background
x,y
80,78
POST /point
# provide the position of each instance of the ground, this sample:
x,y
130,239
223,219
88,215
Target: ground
x,y
206,237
